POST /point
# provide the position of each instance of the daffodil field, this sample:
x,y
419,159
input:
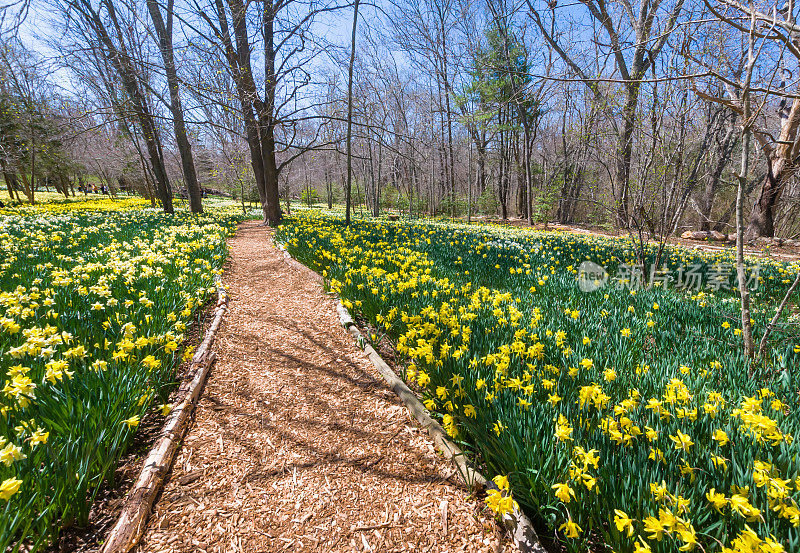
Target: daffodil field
x,y
623,418
95,301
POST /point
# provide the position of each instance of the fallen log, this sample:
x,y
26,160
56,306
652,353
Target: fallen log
x,y
128,530
713,236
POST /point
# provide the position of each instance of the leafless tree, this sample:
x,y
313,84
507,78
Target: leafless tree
x,y
163,31
107,35
636,34
273,103
775,26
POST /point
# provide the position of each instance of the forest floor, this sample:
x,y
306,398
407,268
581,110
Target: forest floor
x,y
781,253
297,443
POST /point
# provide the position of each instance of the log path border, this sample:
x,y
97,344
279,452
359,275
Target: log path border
x,y
516,523
130,525
139,501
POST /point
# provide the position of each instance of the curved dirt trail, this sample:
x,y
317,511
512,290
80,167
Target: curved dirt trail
x,y
297,444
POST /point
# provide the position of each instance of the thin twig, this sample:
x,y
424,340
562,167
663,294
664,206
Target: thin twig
x,y
762,347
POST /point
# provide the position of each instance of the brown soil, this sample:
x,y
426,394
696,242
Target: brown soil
x,y
298,445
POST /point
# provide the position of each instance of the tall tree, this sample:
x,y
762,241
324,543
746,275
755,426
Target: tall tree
x,y
272,104
102,25
780,149
164,36
636,37
348,188
425,30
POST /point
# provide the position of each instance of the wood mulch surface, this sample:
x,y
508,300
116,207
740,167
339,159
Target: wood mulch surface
x,y
298,445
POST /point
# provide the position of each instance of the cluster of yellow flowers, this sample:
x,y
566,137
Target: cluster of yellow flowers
x,y
621,413
78,204
500,500
93,308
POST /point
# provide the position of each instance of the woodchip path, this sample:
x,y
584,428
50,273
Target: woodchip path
x,y
297,444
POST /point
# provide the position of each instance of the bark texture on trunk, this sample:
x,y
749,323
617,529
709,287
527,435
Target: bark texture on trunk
x,y
121,61
780,168
164,33
624,153
259,114
762,216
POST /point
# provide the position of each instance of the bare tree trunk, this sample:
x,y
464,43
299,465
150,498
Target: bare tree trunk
x,y
122,63
11,180
481,176
164,33
451,166
762,216
271,176
744,293
469,186
27,185
503,183
259,115
431,183
369,187
624,155
266,115
528,176
328,186
11,184
64,185
781,166
348,188
32,150
148,186
377,208
522,191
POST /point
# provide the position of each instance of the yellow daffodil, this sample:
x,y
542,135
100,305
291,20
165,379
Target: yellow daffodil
x,y
132,422
682,441
563,492
9,487
623,523
571,530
